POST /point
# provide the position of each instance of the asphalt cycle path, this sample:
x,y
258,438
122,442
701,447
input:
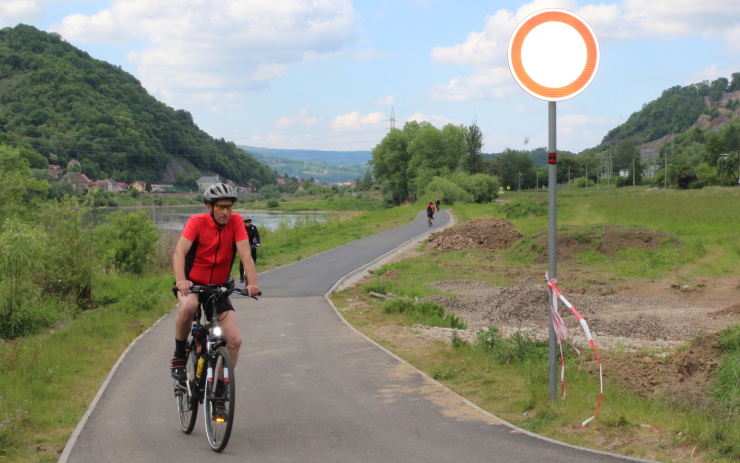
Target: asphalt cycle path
x,y
309,388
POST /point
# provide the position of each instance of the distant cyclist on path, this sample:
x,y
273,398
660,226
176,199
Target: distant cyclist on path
x,y
254,243
437,202
430,213
204,255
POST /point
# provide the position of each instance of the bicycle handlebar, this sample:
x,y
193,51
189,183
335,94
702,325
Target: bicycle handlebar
x,y
219,289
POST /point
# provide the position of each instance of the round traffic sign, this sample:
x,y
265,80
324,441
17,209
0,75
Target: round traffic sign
x,y
553,54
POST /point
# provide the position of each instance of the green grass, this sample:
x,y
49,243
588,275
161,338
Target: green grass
x,y
52,378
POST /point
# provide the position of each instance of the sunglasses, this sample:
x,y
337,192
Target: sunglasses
x,y
222,207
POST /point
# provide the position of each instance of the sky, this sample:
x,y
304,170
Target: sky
x,y
337,74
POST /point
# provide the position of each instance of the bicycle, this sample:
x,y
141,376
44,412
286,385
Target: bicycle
x,y
430,219
207,353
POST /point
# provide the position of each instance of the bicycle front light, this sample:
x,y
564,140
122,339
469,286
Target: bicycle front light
x,y
217,331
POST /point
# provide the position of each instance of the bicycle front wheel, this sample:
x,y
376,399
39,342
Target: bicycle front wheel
x,y
186,395
219,400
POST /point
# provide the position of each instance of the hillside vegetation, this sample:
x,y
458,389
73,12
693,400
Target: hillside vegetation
x,y
58,104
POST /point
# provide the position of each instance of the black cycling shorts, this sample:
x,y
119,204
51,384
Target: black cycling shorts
x,y
222,306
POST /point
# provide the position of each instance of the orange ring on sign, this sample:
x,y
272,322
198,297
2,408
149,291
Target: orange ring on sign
x,y
554,93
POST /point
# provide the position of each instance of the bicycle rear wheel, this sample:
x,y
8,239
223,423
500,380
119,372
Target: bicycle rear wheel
x,y
219,402
186,395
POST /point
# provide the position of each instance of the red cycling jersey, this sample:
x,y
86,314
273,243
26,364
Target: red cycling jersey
x,y
212,254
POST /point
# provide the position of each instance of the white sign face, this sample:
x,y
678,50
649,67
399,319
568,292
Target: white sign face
x,y
553,55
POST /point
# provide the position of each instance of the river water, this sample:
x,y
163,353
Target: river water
x,y
173,218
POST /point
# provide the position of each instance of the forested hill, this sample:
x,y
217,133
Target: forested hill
x,y
58,104
678,109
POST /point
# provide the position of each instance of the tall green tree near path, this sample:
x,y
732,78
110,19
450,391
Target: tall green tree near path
x,y
473,162
390,163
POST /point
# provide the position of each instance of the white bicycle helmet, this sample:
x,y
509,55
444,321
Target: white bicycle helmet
x,y
219,191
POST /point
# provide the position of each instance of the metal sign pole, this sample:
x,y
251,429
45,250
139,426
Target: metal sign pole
x,y
545,76
552,270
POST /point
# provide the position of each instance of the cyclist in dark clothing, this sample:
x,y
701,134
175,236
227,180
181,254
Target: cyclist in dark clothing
x,y
204,255
437,202
254,243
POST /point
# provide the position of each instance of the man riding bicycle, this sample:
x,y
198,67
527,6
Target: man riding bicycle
x,y
204,255
430,213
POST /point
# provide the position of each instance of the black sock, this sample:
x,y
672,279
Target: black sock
x,y
180,348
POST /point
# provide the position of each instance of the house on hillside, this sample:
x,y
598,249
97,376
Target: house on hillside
x,y
108,185
205,182
248,187
281,181
55,171
138,185
78,180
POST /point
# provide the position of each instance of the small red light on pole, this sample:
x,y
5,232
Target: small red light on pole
x,y
552,158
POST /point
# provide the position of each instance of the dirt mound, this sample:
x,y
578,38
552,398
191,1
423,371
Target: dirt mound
x,y
682,376
496,234
492,234
607,239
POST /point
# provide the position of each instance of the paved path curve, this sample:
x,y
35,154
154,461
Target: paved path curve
x,y
309,389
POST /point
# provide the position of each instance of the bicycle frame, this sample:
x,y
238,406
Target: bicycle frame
x,y
210,332
206,348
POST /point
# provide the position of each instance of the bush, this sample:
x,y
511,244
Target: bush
x,y
488,340
69,264
446,190
21,257
127,241
583,182
483,188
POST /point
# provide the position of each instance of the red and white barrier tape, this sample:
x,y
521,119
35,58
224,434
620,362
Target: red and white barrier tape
x,y
561,332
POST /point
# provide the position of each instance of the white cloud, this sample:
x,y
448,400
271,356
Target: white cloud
x,y
437,121
709,74
356,121
386,100
684,17
301,118
192,45
485,83
13,12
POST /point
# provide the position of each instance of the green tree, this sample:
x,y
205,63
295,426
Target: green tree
x,y
390,161
515,169
127,241
18,188
473,162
